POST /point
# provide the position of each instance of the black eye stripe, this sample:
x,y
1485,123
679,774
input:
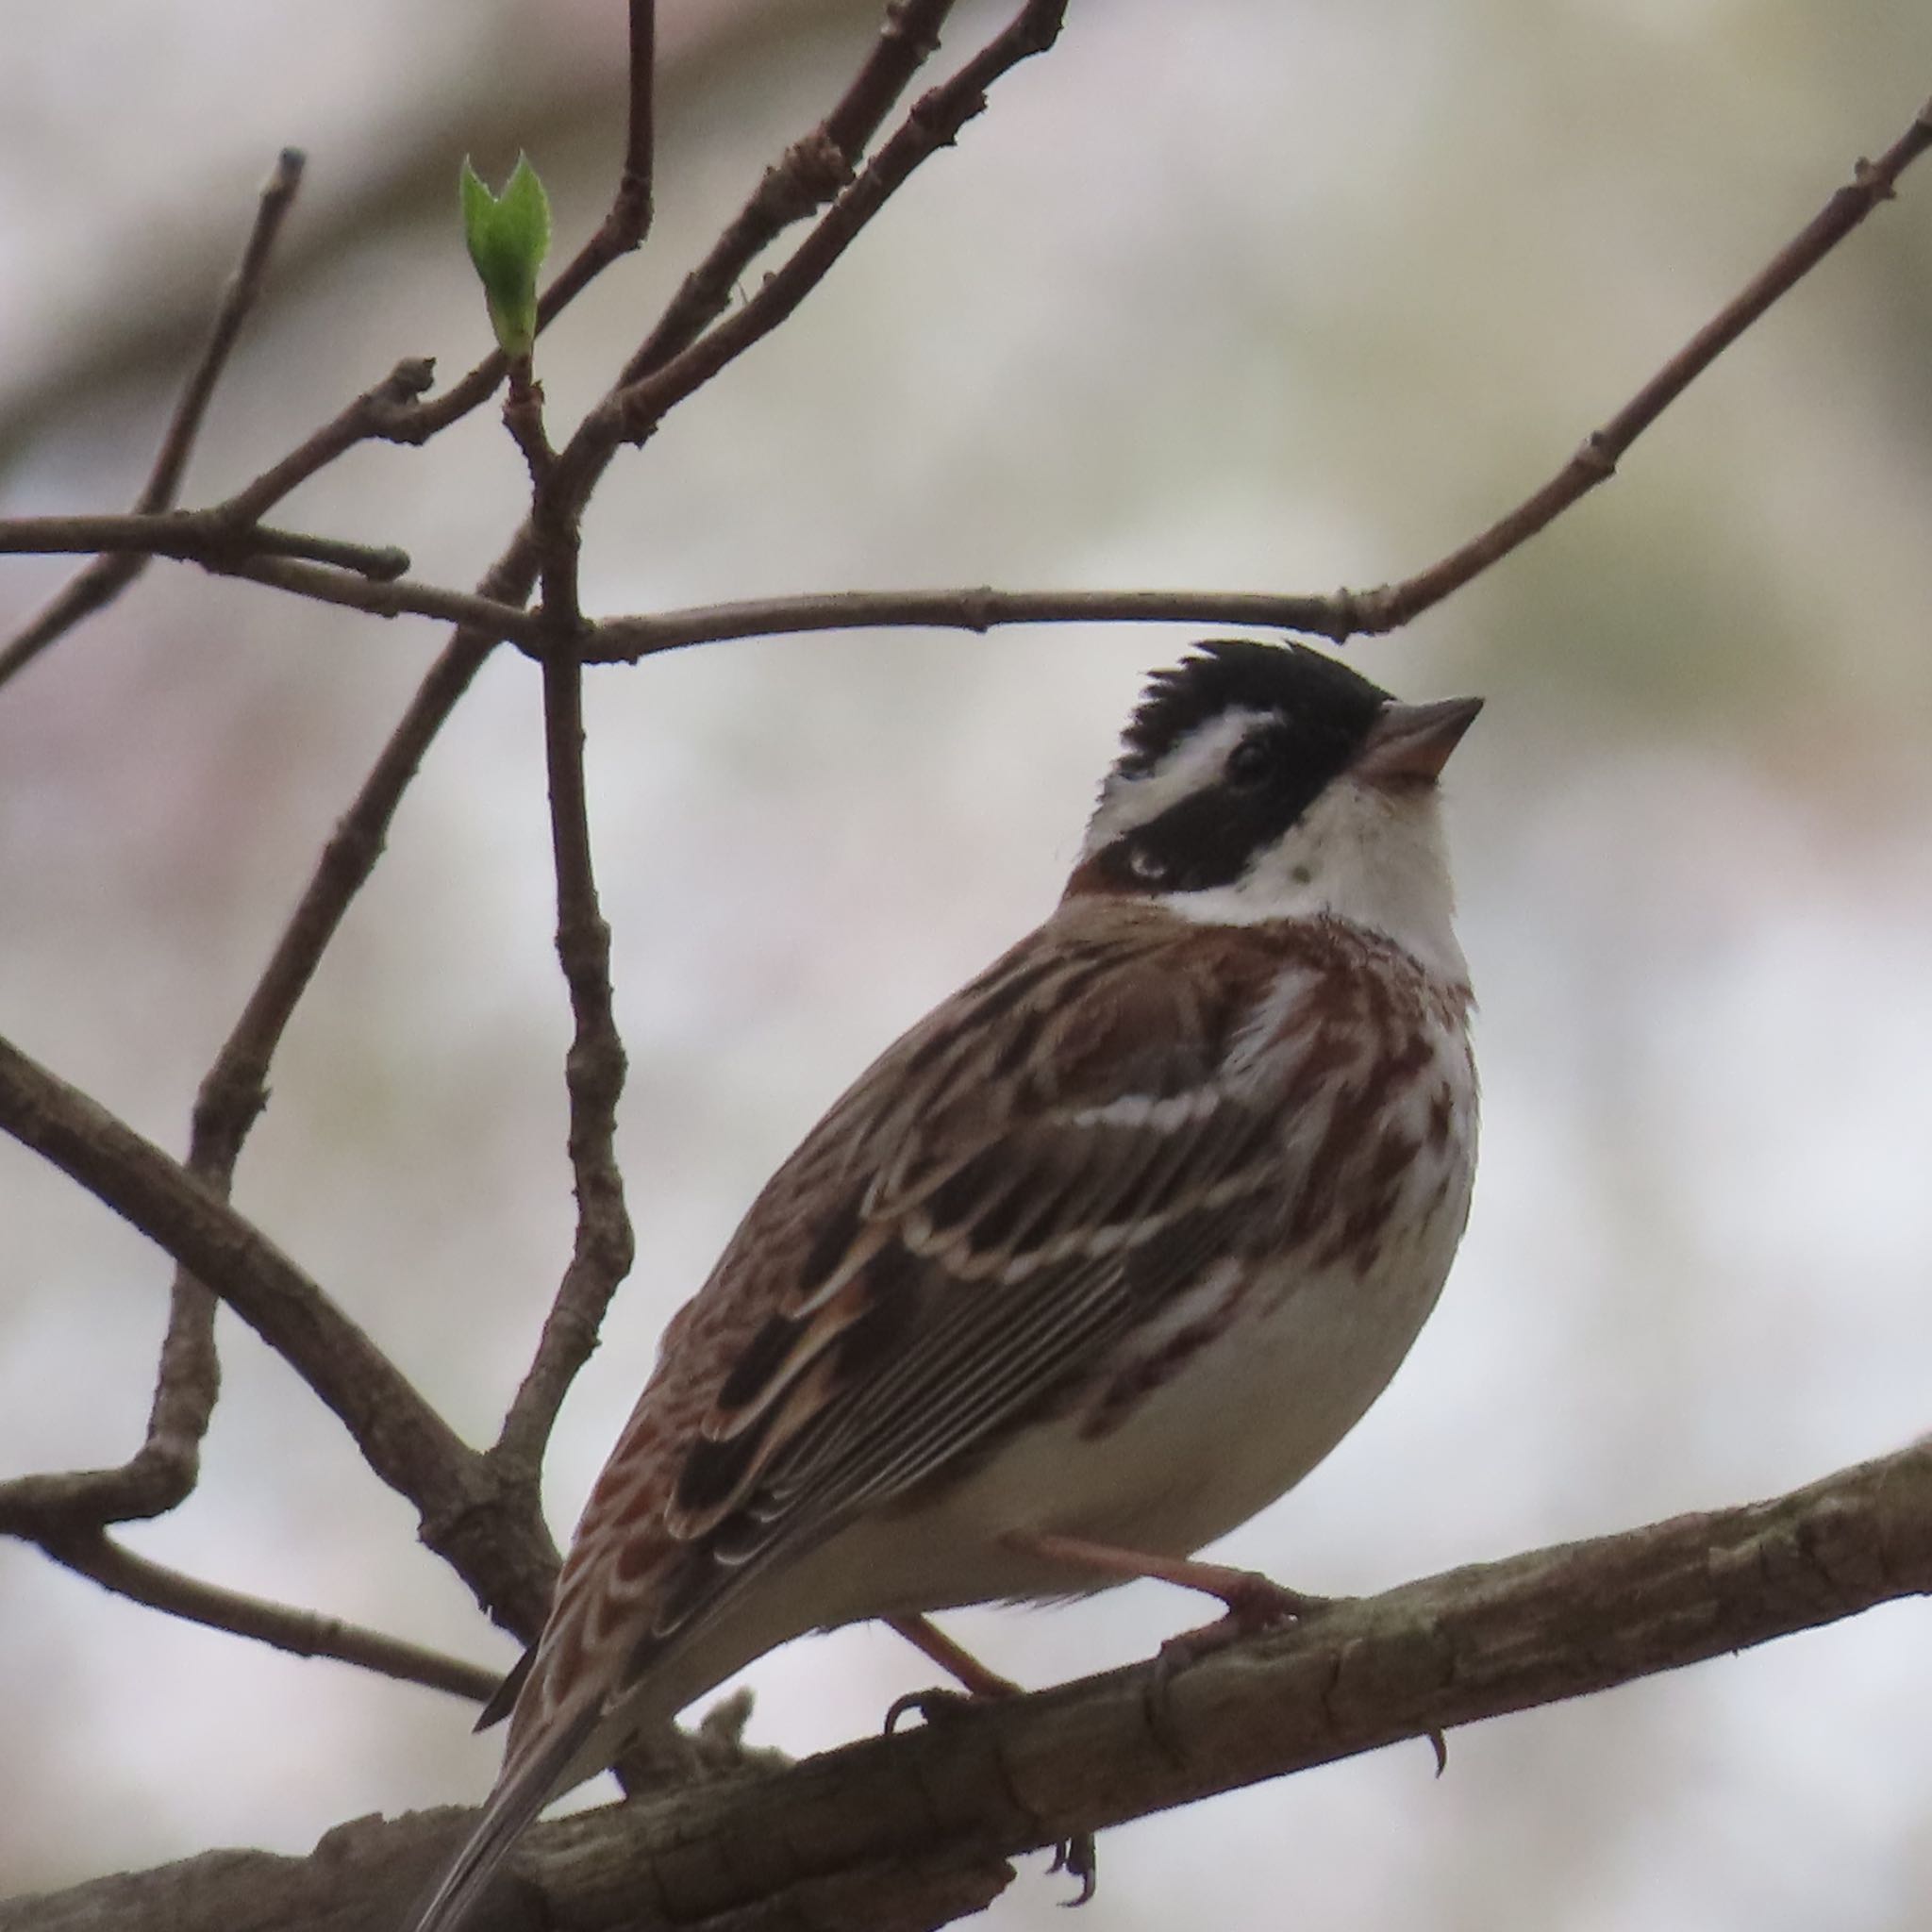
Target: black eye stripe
x,y
1209,837
1206,839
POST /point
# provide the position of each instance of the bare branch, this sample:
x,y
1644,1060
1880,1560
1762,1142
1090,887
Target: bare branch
x,y
594,1073
204,536
633,409
504,1556
163,1471
238,299
624,639
482,616
104,579
282,1627
1596,461
1344,613
623,228
912,1831
389,410
811,172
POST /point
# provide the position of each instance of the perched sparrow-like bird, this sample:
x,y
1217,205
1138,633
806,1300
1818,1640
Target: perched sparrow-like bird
x,y
1101,1258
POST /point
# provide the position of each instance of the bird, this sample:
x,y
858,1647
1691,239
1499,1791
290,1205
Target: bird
x,y
1097,1260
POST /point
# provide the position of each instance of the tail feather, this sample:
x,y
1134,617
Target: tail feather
x,y
522,1791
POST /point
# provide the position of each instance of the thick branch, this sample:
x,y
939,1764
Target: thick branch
x,y
910,1831
502,1555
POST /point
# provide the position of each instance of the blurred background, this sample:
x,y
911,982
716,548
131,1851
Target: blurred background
x,y
1232,296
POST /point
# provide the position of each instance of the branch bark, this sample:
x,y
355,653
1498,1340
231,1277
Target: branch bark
x,y
502,1551
914,1830
100,582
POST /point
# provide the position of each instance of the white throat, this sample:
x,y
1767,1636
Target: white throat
x,y
1362,852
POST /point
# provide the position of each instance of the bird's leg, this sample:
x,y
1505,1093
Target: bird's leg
x,y
1252,1599
1254,1602
957,1661
1074,1854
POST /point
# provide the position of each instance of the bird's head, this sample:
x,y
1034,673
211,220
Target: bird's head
x,y
1265,781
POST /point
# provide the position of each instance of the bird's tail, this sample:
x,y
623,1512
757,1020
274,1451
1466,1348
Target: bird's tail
x,y
520,1792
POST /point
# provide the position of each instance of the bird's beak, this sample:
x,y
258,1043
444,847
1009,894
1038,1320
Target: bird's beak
x,y
1413,741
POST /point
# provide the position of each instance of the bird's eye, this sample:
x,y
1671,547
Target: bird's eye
x,y
1251,764
1145,864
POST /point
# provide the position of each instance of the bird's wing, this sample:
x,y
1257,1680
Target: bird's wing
x,y
1062,1149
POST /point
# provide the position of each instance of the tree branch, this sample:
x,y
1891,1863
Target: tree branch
x,y
1338,616
980,607
622,228
204,536
387,411
1343,614
501,1553
595,1068
604,1245
282,1627
103,580
1596,459
635,407
912,1831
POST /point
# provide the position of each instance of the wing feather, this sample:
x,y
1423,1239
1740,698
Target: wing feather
x,y
962,1243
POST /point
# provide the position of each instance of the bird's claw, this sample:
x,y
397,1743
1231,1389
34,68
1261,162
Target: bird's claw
x,y
1254,1603
1078,1858
934,1704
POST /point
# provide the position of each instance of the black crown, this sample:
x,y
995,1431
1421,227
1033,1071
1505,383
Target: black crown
x,y
1327,706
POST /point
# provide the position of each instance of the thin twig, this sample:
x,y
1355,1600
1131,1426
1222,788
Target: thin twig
x,y
624,639
594,1073
631,208
495,619
165,1468
238,299
633,411
384,412
808,175
283,1626
204,537
104,579
622,228
1596,461
1344,613
604,1245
